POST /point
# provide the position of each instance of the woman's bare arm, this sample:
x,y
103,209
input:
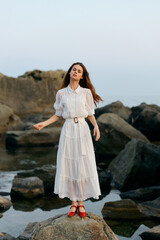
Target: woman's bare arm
x,y
41,125
96,128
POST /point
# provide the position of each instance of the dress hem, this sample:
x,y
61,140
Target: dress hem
x,y
77,199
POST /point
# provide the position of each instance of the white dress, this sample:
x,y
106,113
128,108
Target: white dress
x,y
76,174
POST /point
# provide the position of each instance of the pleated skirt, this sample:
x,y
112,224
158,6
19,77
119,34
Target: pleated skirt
x,y
76,175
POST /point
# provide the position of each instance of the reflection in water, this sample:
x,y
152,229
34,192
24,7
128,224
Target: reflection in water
x,y
45,203
27,158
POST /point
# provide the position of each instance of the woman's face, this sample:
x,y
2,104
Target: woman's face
x,y
76,72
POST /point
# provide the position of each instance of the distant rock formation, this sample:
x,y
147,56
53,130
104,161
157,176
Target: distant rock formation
x,y
32,92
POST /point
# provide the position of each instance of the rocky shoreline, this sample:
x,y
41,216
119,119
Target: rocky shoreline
x,y
127,154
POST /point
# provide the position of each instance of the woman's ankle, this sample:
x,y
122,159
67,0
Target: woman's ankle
x,y
74,203
80,203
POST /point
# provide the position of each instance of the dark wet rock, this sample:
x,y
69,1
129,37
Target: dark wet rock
x,y
122,209
6,236
137,166
148,122
115,107
30,187
151,208
142,194
105,180
38,87
146,118
151,234
62,227
46,173
115,133
7,118
138,109
33,137
1,215
5,203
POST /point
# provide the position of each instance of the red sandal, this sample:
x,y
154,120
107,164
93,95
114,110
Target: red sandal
x,y
71,214
81,214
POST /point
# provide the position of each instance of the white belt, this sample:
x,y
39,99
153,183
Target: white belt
x,y
80,121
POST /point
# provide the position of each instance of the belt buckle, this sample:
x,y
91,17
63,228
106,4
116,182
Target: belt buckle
x,y
76,120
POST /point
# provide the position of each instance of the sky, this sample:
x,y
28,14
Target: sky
x,y
117,40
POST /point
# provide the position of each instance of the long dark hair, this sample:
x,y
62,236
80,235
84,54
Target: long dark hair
x,y
85,82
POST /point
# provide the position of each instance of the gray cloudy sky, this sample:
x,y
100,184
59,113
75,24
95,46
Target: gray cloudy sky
x,y
117,40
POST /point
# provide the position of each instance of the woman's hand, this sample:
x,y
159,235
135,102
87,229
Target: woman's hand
x,y
39,126
96,132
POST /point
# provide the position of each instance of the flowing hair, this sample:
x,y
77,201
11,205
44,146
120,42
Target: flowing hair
x,y
85,82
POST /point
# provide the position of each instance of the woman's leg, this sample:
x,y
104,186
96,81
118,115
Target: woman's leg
x,y
73,208
81,209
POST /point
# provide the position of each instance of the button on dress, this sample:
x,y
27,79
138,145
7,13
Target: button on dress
x,y
76,175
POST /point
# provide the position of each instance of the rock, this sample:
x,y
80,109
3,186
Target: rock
x,y
6,236
138,109
115,107
61,227
151,234
46,173
115,133
33,137
5,203
151,208
1,215
146,118
148,122
30,187
37,87
7,118
142,194
136,166
104,180
1,75
122,209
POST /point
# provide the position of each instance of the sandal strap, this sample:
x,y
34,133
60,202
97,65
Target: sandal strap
x,y
73,206
81,206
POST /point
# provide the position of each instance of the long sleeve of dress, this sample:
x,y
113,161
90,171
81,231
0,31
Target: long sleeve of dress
x,y
90,103
58,105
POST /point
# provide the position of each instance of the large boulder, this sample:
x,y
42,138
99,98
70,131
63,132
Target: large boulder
x,y
142,194
31,92
32,137
138,109
146,118
115,107
123,210
137,166
61,227
5,203
7,118
151,234
46,173
115,133
151,208
29,188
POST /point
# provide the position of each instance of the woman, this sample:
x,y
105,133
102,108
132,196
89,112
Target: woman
x,y
76,175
